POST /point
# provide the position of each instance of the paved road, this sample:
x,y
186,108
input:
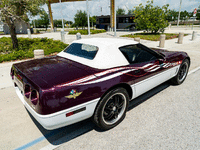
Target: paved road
x,y
167,117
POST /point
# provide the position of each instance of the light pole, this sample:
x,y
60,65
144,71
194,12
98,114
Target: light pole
x,y
62,15
179,13
115,19
88,18
34,23
62,31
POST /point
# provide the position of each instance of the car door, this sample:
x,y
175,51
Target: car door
x,y
148,68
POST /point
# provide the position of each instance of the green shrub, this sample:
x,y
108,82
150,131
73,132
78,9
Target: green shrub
x,y
85,32
27,46
97,31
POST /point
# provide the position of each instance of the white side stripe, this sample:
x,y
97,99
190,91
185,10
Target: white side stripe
x,y
108,71
109,77
80,80
155,69
145,66
149,69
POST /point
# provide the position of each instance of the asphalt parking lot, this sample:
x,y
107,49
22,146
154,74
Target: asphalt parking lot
x,y
167,117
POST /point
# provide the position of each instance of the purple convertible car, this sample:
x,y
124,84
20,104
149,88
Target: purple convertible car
x,y
94,78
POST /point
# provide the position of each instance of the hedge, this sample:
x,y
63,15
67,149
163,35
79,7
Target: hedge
x,y
27,46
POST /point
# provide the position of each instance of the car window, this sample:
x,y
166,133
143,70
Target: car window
x,y
82,50
137,53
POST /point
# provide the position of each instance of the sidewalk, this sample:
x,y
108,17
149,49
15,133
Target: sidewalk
x,y
189,46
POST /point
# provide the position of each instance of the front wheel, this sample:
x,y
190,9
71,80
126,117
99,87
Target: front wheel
x,y
112,109
182,73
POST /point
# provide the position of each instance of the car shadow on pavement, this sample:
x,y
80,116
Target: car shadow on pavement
x,y
65,134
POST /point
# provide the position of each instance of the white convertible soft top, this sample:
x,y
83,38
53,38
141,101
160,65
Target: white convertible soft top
x,y
108,55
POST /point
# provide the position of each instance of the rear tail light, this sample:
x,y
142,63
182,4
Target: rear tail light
x,y
34,97
27,91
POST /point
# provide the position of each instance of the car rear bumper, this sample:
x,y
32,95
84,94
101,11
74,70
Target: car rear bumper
x,y
59,119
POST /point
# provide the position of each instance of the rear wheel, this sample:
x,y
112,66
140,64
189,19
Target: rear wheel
x,y
112,109
182,73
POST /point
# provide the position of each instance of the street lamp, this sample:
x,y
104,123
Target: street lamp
x,y
62,15
115,19
88,18
179,12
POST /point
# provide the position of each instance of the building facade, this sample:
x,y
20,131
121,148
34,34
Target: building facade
x,y
122,22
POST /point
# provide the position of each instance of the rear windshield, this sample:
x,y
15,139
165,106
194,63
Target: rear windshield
x,y
82,50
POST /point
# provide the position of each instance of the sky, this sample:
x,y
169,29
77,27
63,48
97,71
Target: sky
x,y
69,9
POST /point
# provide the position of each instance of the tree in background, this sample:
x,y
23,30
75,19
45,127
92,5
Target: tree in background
x,y
120,11
130,12
43,22
151,18
13,10
198,13
184,15
40,23
37,23
69,23
172,15
58,22
92,20
44,19
80,19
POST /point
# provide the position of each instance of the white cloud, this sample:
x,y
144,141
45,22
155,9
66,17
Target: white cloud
x,y
187,5
69,9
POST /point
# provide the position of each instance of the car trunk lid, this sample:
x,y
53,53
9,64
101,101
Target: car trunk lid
x,y
52,71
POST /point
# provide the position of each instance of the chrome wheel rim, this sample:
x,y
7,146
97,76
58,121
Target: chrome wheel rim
x,y
183,72
114,108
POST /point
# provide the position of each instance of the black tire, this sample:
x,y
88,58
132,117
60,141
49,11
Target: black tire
x,y
111,109
182,73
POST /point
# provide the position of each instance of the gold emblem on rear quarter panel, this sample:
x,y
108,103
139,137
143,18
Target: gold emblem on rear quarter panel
x,y
73,94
